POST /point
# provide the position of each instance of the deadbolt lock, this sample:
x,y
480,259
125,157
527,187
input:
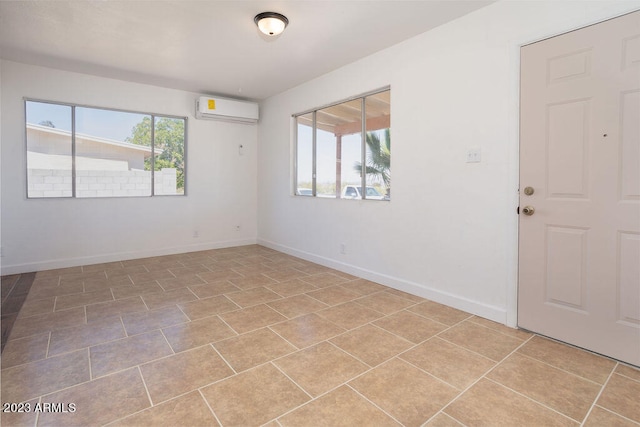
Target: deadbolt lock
x,y
528,210
528,191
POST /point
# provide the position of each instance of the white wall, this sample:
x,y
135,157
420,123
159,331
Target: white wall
x,y
450,230
40,234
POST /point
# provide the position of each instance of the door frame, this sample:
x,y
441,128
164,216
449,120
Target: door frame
x,y
514,149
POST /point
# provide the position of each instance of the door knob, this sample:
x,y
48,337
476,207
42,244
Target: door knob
x,y
528,210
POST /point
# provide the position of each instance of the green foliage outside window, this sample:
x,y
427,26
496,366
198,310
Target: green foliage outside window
x,y
169,137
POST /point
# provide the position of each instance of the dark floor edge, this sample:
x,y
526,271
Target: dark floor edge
x,y
12,304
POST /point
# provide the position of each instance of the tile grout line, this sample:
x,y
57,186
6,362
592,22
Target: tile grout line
x,y
124,328
206,402
444,414
573,374
427,372
89,360
374,404
369,367
167,341
225,361
225,322
110,423
378,311
132,366
78,384
345,383
278,423
185,314
544,405
295,408
285,340
283,356
282,314
293,381
141,298
626,376
473,316
146,389
575,347
602,387
616,414
438,321
463,391
473,351
531,398
46,353
38,413
413,345
398,356
49,356
312,344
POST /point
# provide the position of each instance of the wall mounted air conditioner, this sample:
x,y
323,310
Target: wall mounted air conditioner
x,y
230,110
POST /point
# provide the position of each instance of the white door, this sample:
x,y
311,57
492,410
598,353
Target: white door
x,y
579,250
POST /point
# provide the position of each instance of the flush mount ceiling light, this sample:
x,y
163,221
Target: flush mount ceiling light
x,y
271,23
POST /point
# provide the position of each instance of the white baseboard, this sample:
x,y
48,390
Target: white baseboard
x,y
497,314
119,256
494,313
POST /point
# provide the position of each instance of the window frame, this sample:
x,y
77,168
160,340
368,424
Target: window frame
x,y
363,153
73,107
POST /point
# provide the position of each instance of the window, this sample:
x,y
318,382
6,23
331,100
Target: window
x,y
77,151
345,147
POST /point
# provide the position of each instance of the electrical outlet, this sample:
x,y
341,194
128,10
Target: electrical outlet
x,y
473,155
238,227
343,248
196,234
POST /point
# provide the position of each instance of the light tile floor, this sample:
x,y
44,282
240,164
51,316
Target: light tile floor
x,y
250,336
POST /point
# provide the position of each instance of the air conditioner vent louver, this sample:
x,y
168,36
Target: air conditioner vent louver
x,y
230,110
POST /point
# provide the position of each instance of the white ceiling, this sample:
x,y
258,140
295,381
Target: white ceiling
x,y
212,47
